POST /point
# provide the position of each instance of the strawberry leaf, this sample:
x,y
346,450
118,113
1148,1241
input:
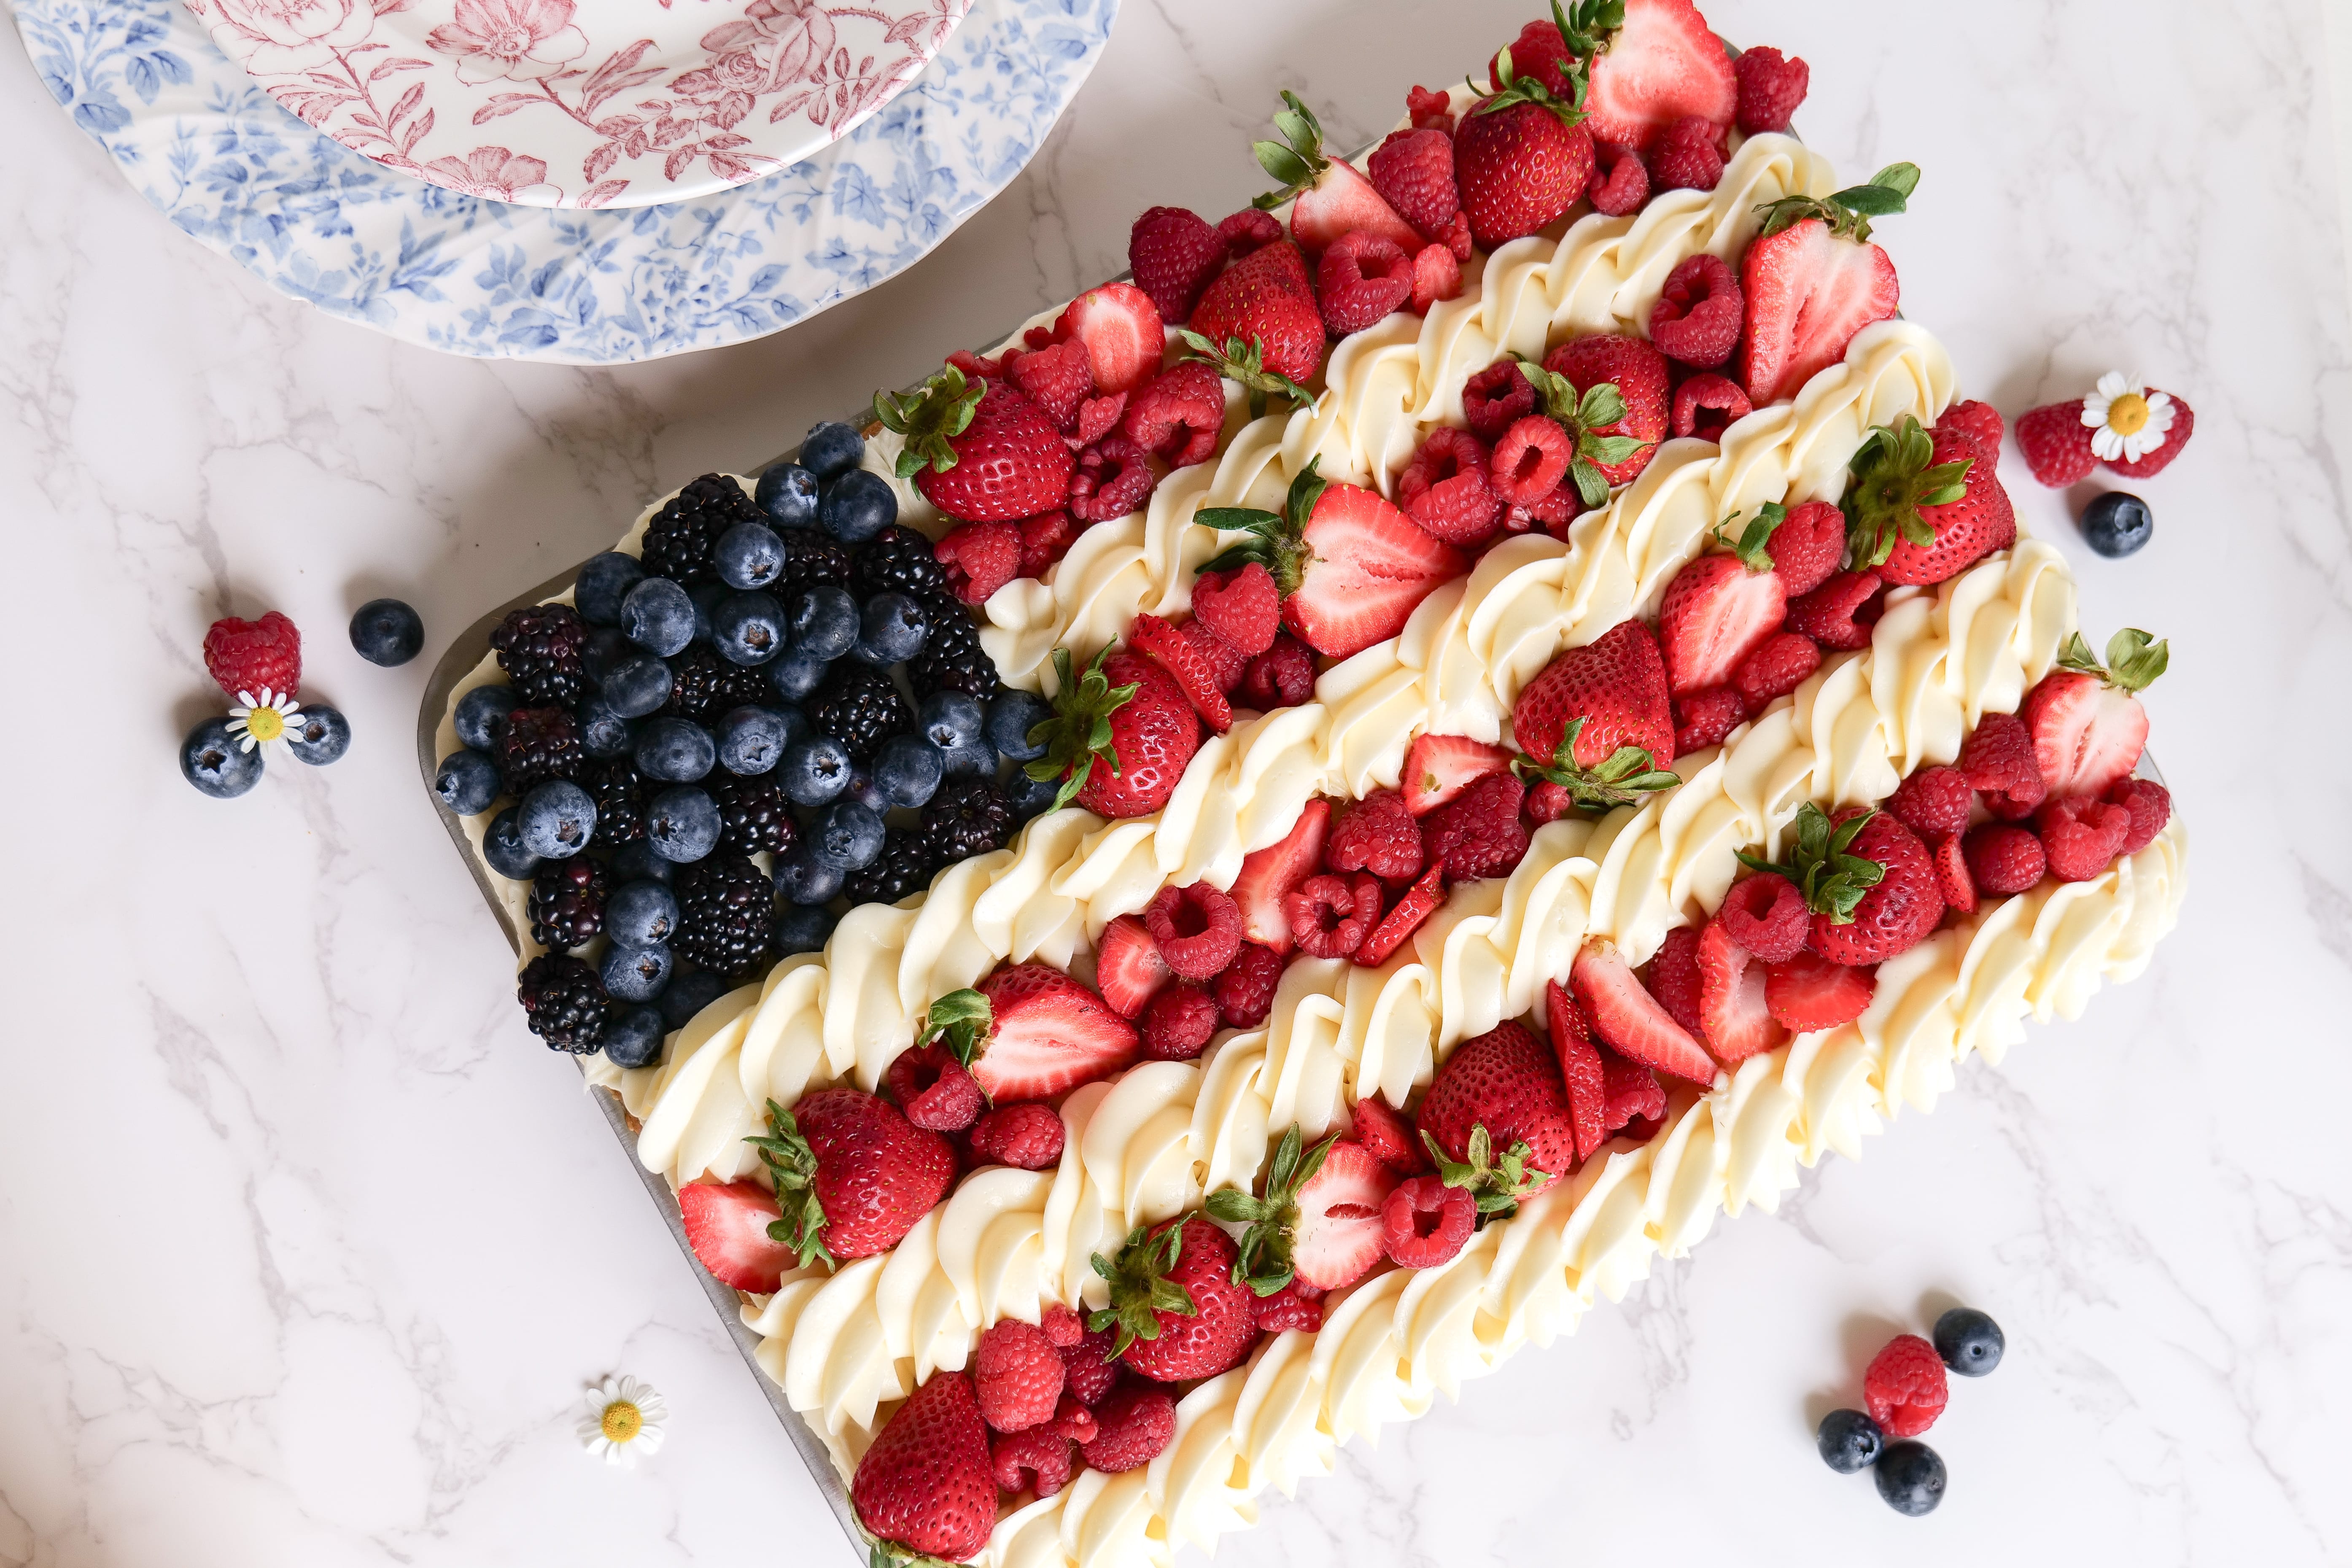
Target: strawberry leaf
x,y
2134,659
1263,1262
1296,160
1496,1185
1894,475
1751,547
1847,212
1079,734
1139,1287
791,1164
958,1020
1588,30
930,420
1244,363
1277,543
1513,89
1832,880
1622,778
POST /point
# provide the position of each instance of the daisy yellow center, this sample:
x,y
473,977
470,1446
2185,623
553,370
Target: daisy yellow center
x,y
265,724
622,1421
2128,414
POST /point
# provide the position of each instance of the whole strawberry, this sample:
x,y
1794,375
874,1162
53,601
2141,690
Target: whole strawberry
x,y
252,656
1922,505
978,450
1266,298
1869,882
1521,157
1638,371
853,1175
1597,720
1120,734
1496,1119
1174,1300
926,1483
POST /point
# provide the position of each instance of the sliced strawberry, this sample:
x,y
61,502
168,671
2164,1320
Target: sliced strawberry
x,y
1662,64
2087,735
1128,966
1330,198
1581,1066
1122,330
1717,612
1952,876
1047,1033
1269,875
1809,993
1731,998
1389,1134
1629,1018
1809,292
1405,918
1180,659
726,1225
1337,1238
1439,767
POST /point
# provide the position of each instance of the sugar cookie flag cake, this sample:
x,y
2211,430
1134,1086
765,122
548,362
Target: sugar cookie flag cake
x,y
1216,871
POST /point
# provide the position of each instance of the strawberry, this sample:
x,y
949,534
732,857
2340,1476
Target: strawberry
x,y
1924,507
1952,879
1128,966
1869,881
1029,1032
1149,634
1808,546
252,656
1659,63
1319,1221
1270,875
1265,300
1173,253
1720,608
1414,172
1226,663
1580,1070
1120,329
1350,568
1813,279
853,1175
1120,750
1328,196
1676,980
1244,607
1496,1119
1439,767
1388,1133
1638,372
978,450
2088,728
1597,720
1629,1019
927,1483
1807,992
1635,1095
1178,1311
1437,276
1521,157
2056,443
727,1224
1731,998
1420,902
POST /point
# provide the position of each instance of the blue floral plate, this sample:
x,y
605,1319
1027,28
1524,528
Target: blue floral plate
x,y
314,220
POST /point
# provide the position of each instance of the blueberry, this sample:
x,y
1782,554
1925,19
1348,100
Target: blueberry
x,y
320,735
1969,1342
604,652
787,493
676,751
634,973
387,632
949,719
907,770
641,914
658,615
748,628
864,791
794,673
557,820
502,847
751,740
212,760
892,630
976,761
1011,717
638,861
705,597
689,994
831,448
824,621
481,715
1030,796
682,824
1848,1439
748,556
857,506
2116,523
1911,1478
802,879
603,732
846,835
632,1037
638,685
802,928
467,783
603,584
813,771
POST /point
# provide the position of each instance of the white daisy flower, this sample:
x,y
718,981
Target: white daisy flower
x,y
622,1418
2126,420
269,719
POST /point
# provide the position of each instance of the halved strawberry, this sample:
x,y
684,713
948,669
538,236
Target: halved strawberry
x,y
1405,918
1128,966
1580,1065
726,1225
1663,63
1718,611
1332,197
1731,998
1959,889
1813,279
1180,659
1629,1018
1037,1033
1389,1134
2088,728
1337,1236
1269,875
1123,335
1439,767
1809,993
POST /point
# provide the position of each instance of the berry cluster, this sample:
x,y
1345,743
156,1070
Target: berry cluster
x,y
1905,1389
259,665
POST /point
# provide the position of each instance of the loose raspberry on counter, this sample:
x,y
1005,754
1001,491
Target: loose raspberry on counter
x,y
1771,86
1906,1387
2002,859
1330,916
2056,443
1621,180
1026,1137
1197,928
1035,1461
1134,1421
2157,459
1376,834
1245,991
1934,802
255,655
1699,313
1018,1374
1178,1022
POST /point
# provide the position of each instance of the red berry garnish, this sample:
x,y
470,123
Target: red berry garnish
x,y
1771,86
1245,991
1686,158
1705,717
1037,1461
1445,488
1767,915
1179,416
1017,1374
1424,1223
1699,312
1495,398
1934,802
2002,859
1620,182
251,656
1376,834
1905,1386
1530,460
979,558
1178,1022
1197,928
1113,477
2151,804
1026,1137
1777,667
1244,607
1478,833
1330,916
1839,613
1281,676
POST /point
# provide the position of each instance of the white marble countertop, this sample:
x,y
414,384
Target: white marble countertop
x,y
307,1249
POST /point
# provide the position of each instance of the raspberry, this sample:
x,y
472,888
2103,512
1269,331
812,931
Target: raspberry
x,y
1429,111
1675,979
1952,879
1404,918
1445,488
1436,274
1767,915
1478,832
979,558
1226,663
1174,253
1706,405
1424,1222
253,655
1631,1095
977,368
1414,172
1905,1386
1530,460
1706,717
1771,86
1197,928
1362,278
1073,1420
1088,1367
1037,1460
1387,1132
1296,1306
1496,398
1620,182
2150,805
1552,513
1134,1422
1179,416
1252,228
2184,421
1777,667
1699,313
1062,1325
1330,916
1377,835
2002,858
1242,607
1839,613
2080,835
1168,647
1112,480
1999,759
1058,380
1934,802
1045,540
1177,1022
1026,1137
933,1088
1548,801
1245,991
1980,421
1036,337
2057,444
1807,547
1017,1374
1097,418
1281,676
1686,158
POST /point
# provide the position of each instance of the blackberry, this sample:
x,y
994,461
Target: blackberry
x,y
679,539
810,559
951,658
539,744
540,648
967,818
620,793
565,1003
567,903
706,687
904,866
754,815
861,708
727,913
897,560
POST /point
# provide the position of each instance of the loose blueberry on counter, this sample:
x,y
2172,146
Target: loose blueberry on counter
x,y
658,616
639,861
682,824
815,771
320,735
641,914
831,448
632,1037
977,760
502,847
1030,797
603,732
604,652
752,740
387,632
857,506
481,715
2116,523
892,630
467,782
1848,1439
1910,1477
689,994
802,928
907,770
748,628
705,597
1011,717
802,879
638,685
636,974
557,820
1969,1342
846,835
824,621
603,584
788,494
211,759
950,721
748,555
676,751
